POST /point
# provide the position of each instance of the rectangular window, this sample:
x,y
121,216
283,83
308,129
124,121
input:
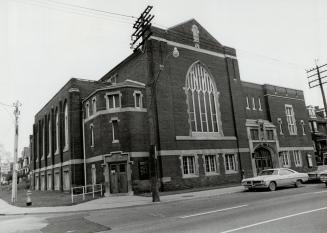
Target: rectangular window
x,y
94,174
254,134
49,182
113,101
290,119
297,158
144,170
285,159
87,110
230,162
247,103
94,105
270,134
138,100
259,101
114,125
188,165
253,103
210,163
91,136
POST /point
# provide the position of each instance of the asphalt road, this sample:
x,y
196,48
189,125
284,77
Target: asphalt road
x,y
288,210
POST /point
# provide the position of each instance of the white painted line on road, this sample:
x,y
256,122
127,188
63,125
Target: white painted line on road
x,y
275,219
213,211
320,192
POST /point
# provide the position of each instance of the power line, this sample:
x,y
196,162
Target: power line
x,y
74,10
92,9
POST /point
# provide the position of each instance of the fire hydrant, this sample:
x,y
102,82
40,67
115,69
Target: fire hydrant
x,y
28,198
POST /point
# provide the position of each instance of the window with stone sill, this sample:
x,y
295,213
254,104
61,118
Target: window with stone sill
x,y
91,135
302,126
49,137
230,163
113,100
115,131
270,134
259,102
87,110
211,164
189,165
285,159
247,103
66,127
138,99
202,102
253,104
94,105
280,122
254,134
290,117
297,158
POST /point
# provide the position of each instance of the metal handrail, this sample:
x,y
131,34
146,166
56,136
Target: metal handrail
x,y
85,190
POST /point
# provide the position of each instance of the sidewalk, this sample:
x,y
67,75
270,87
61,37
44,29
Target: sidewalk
x,y
114,202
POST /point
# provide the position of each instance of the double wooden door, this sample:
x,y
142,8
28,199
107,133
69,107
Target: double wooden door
x,y
118,177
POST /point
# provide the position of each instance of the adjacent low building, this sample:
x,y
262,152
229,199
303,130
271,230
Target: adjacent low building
x,y
210,127
318,128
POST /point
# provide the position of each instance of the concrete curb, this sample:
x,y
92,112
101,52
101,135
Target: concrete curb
x,y
114,202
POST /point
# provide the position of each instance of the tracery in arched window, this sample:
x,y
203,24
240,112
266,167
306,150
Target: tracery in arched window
x,y
202,100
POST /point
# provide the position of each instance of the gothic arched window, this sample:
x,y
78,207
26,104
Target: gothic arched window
x,y
202,101
66,125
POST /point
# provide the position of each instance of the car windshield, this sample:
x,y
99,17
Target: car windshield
x,y
268,172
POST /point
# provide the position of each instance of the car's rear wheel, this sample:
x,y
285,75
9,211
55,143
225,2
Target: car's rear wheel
x,y
272,186
297,183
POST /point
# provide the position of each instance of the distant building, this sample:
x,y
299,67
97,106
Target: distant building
x,y
318,128
213,128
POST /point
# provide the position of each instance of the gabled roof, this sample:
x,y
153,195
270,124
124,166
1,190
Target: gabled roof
x,y
185,28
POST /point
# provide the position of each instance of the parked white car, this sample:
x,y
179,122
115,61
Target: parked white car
x,y
273,178
315,175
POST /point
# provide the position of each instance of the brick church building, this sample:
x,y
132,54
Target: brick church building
x,y
212,128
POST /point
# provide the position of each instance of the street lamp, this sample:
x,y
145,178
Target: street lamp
x,y
154,128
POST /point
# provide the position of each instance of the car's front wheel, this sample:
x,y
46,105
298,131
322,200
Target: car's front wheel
x,y
326,184
297,183
272,186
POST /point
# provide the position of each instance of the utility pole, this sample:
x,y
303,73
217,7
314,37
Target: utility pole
x,y
316,79
14,174
142,32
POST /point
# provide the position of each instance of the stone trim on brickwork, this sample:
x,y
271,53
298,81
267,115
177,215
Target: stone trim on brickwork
x,y
205,138
284,97
296,148
189,47
115,110
203,151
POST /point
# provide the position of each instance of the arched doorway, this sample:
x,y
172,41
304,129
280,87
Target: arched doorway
x,y
262,158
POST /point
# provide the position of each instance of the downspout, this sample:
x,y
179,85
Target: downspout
x,y
83,135
234,121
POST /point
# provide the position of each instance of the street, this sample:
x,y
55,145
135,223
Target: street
x,y
298,210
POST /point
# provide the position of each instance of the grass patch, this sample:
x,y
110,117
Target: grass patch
x,y
42,198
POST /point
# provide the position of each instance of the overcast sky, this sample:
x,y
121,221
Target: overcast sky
x,y
44,43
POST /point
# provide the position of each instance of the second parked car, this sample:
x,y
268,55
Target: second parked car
x,y
323,178
273,178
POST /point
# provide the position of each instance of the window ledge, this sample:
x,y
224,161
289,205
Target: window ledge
x,y
212,174
115,141
66,148
57,152
190,176
228,172
204,138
